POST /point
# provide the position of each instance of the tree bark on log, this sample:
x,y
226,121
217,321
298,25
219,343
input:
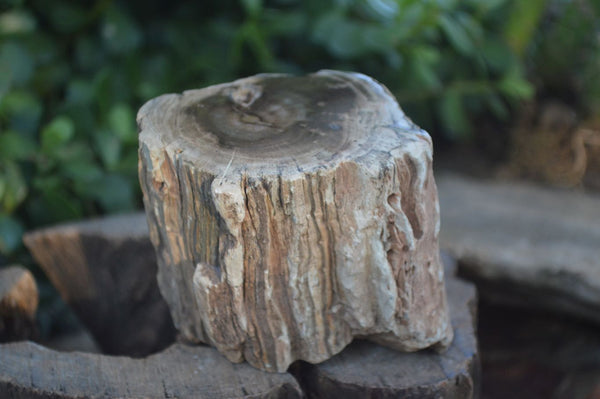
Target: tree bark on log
x,y
105,269
291,214
18,303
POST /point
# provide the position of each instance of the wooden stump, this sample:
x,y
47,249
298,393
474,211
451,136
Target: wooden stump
x,y
291,214
105,269
366,370
553,262
18,304
30,371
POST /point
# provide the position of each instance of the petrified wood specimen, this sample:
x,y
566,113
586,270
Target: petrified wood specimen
x,y
291,214
366,370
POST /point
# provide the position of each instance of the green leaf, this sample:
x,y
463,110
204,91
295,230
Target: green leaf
x,y
422,72
453,115
79,92
108,147
81,170
47,183
15,187
18,61
74,151
483,7
22,110
2,185
339,35
281,23
66,16
54,205
348,38
516,87
122,122
425,53
417,14
252,7
103,83
128,164
457,35
57,133
497,106
522,23
11,231
114,193
378,39
52,77
45,48
251,33
394,59
16,146
382,10
5,79
121,34
498,55
88,56
472,27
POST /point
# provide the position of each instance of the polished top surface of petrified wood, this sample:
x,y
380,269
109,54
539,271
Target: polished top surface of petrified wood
x,y
285,111
301,123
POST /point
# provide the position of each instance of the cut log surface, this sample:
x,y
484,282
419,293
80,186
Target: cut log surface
x,y
366,370
291,214
18,303
525,245
105,269
362,370
31,371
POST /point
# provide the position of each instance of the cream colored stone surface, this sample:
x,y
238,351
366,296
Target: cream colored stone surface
x,y
292,214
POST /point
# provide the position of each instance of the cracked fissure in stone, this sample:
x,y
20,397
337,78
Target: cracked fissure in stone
x,y
291,214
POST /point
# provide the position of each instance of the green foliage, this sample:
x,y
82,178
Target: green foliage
x,y
564,58
523,23
446,61
73,74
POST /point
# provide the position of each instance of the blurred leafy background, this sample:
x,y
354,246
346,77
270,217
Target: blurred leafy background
x,y
74,73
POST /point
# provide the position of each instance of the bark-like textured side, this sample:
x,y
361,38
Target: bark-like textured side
x,y
365,370
273,262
